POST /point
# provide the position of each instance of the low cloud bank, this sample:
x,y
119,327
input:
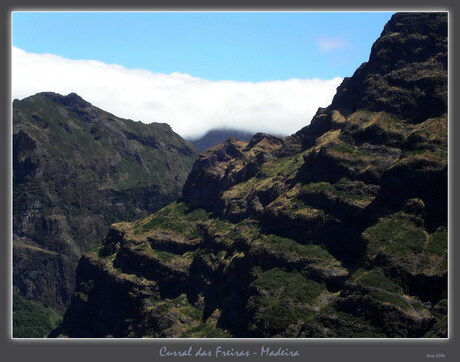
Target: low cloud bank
x,y
191,105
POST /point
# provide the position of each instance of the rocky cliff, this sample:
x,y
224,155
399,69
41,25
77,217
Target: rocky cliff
x,y
77,169
339,230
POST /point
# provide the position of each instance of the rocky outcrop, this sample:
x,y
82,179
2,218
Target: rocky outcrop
x,y
405,75
339,230
76,170
225,166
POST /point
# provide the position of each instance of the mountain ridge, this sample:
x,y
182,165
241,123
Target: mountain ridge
x,y
338,231
77,169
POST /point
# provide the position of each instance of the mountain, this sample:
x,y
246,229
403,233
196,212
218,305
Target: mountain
x,y
216,136
339,230
76,170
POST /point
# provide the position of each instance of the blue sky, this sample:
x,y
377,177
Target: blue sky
x,y
250,46
258,71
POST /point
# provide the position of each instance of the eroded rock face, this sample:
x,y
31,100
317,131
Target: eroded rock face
x,y
337,231
77,169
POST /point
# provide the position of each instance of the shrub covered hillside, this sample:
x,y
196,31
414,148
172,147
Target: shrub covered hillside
x,y
339,230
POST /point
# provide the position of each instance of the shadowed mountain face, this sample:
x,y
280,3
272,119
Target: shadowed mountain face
x,y
76,170
216,136
339,230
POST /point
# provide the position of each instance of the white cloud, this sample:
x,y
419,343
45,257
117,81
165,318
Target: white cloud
x,y
330,44
189,104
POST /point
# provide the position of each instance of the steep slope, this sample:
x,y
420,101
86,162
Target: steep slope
x,y
216,136
76,170
339,230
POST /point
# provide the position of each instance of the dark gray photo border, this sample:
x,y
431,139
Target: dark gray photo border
x,y
373,350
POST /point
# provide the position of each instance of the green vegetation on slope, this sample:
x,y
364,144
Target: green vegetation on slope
x,y
282,300
31,319
374,279
401,238
397,236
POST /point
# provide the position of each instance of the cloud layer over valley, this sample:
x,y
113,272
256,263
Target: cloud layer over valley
x,y
189,104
